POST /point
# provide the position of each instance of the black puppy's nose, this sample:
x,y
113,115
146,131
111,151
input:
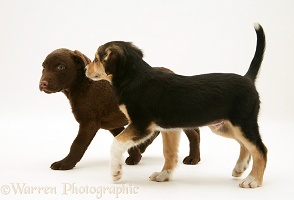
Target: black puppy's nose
x,y
43,84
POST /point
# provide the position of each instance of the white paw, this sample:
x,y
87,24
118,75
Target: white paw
x,y
240,168
249,182
116,171
116,160
161,176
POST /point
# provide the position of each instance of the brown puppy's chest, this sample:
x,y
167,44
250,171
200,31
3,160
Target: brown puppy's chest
x,y
87,104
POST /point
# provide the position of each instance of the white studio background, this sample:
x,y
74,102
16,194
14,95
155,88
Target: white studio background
x,y
189,37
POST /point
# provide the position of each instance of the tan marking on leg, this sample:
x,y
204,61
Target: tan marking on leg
x,y
227,130
127,134
130,132
255,178
170,139
242,162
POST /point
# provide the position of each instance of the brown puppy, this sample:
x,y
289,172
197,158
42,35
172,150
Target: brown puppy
x,y
94,106
154,100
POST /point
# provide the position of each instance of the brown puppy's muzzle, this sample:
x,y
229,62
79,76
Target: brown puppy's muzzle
x,y
43,85
47,86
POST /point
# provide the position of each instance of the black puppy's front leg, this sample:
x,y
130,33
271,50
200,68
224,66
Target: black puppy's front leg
x,y
85,135
134,152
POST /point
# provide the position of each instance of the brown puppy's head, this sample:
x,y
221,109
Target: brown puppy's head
x,y
60,69
111,58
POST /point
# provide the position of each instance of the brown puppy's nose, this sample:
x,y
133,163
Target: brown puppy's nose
x,y
43,85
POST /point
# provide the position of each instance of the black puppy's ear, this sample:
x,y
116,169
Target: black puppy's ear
x,y
80,58
109,61
114,57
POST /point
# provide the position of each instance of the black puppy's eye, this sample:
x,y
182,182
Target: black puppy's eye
x,y
60,67
43,66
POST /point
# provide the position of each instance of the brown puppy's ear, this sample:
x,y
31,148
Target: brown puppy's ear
x,y
81,58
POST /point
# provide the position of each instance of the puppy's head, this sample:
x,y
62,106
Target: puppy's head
x,y
111,60
60,69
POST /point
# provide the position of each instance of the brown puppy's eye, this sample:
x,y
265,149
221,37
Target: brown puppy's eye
x,y
96,59
60,67
43,66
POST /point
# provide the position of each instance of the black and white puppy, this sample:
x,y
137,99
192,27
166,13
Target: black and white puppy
x,y
154,100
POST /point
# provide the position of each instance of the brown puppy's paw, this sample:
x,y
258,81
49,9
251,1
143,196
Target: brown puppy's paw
x,y
62,165
131,160
191,160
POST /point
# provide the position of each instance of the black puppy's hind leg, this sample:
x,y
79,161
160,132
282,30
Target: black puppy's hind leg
x,y
243,161
249,136
228,130
122,142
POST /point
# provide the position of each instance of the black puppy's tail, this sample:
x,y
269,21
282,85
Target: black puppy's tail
x,y
258,56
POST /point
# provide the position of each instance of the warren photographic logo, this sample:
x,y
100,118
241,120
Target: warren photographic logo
x,y
69,189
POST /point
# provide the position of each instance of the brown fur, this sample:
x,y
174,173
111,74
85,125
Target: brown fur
x,y
93,105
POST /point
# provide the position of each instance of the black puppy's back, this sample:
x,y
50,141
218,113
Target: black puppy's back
x,y
217,96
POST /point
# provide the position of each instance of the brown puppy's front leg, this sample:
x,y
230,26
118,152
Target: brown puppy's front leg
x,y
194,140
136,151
86,133
143,146
134,156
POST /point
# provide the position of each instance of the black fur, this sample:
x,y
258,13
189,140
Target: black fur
x,y
175,101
